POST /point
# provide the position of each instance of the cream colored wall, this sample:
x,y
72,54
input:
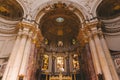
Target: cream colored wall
x,y
113,35
7,36
6,45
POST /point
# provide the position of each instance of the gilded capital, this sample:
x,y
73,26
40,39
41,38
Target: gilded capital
x,y
100,33
29,26
92,25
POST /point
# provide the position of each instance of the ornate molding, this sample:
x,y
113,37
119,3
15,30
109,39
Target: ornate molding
x,y
31,28
8,27
88,32
111,30
112,25
76,7
60,49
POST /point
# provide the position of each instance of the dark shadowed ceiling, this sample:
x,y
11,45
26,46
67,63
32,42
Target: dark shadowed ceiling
x,y
10,9
109,9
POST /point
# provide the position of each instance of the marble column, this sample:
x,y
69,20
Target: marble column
x,y
101,55
91,69
109,58
11,60
30,66
23,68
19,56
94,55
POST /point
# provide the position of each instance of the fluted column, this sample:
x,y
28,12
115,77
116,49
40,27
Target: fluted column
x,y
91,69
26,55
11,60
109,58
94,55
19,56
101,55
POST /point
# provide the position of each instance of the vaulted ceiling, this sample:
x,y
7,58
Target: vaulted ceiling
x,y
60,24
11,9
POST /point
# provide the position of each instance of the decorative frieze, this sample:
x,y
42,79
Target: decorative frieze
x,y
111,26
111,30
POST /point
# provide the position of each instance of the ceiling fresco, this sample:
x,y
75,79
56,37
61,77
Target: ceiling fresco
x,y
109,9
10,9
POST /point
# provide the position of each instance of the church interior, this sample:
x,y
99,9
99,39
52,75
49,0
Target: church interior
x,y
59,39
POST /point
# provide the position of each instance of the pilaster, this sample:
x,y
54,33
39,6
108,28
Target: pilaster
x,y
11,60
96,61
101,55
28,34
108,57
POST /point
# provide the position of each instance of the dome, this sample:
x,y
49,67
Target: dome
x,y
10,9
108,9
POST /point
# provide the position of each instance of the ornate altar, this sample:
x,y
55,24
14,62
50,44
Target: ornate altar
x,y
60,77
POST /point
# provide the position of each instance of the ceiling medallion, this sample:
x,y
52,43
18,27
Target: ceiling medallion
x,y
60,19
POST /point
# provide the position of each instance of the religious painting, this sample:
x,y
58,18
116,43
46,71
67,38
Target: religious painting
x,y
10,9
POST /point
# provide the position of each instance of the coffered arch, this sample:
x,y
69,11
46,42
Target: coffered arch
x,y
94,8
78,9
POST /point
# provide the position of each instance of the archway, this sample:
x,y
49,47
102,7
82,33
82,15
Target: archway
x,y
61,51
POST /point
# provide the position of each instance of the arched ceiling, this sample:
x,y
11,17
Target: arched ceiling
x,y
10,9
108,9
59,24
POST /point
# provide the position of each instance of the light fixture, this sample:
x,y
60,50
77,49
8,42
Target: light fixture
x,y
59,19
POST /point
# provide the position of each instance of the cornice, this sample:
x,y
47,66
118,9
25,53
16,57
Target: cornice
x,y
8,26
112,34
8,35
9,22
111,30
111,26
111,21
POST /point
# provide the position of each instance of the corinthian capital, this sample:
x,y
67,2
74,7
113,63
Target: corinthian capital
x,y
92,25
26,25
